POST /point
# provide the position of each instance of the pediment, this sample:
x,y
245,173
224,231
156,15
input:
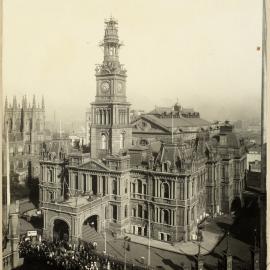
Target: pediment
x,y
94,165
147,126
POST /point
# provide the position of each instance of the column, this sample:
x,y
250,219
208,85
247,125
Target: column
x,y
55,175
96,115
70,181
189,216
98,181
107,117
80,180
90,182
115,116
185,188
101,184
104,116
128,115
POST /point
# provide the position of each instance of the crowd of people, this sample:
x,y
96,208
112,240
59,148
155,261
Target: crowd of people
x,y
63,255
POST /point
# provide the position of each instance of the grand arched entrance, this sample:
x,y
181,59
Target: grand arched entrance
x,y
60,230
90,229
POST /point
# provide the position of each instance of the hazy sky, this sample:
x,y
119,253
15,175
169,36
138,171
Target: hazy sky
x,y
203,52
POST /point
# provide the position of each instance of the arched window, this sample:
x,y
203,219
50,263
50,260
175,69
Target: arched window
x,y
114,183
111,50
166,216
50,175
140,212
11,166
29,125
165,189
38,125
76,181
9,125
126,211
18,124
122,141
139,186
103,141
20,166
51,194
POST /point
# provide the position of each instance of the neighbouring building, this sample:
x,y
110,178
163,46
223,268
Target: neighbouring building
x,y
167,124
149,171
25,126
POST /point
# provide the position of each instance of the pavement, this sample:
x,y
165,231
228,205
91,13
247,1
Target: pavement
x,y
187,248
211,237
173,257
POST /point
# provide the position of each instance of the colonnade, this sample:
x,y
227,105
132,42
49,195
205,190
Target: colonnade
x,y
103,116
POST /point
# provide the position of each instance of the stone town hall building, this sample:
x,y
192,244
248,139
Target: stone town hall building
x,y
124,185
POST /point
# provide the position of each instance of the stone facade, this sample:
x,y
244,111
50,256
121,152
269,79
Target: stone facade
x,y
110,129
26,130
125,185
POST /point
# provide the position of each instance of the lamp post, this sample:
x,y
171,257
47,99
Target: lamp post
x,y
149,236
105,237
126,239
200,259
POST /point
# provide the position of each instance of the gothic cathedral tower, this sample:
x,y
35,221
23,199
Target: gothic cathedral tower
x,y
110,131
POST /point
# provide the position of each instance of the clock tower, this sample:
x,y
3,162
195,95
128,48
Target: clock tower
x,y
111,131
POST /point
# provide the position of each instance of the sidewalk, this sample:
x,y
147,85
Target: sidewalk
x,y
210,240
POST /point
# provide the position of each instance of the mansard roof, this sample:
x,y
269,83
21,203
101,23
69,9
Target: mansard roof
x,y
232,140
160,124
172,153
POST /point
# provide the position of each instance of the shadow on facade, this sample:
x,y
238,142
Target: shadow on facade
x,y
60,230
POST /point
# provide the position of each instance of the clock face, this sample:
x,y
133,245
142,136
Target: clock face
x,y
105,86
119,88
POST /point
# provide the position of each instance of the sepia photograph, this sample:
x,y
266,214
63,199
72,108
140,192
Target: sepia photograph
x,y
134,134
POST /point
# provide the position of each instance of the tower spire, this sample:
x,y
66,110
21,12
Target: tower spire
x,y
111,41
14,102
25,101
34,102
42,103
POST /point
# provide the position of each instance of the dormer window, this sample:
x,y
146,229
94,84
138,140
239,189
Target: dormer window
x,y
223,140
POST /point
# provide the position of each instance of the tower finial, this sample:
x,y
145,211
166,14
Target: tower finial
x,y
34,102
25,101
42,103
14,102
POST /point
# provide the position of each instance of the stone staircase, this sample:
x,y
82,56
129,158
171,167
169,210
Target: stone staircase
x,y
89,234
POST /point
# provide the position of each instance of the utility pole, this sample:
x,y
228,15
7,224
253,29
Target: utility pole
x,y
105,237
149,236
126,239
